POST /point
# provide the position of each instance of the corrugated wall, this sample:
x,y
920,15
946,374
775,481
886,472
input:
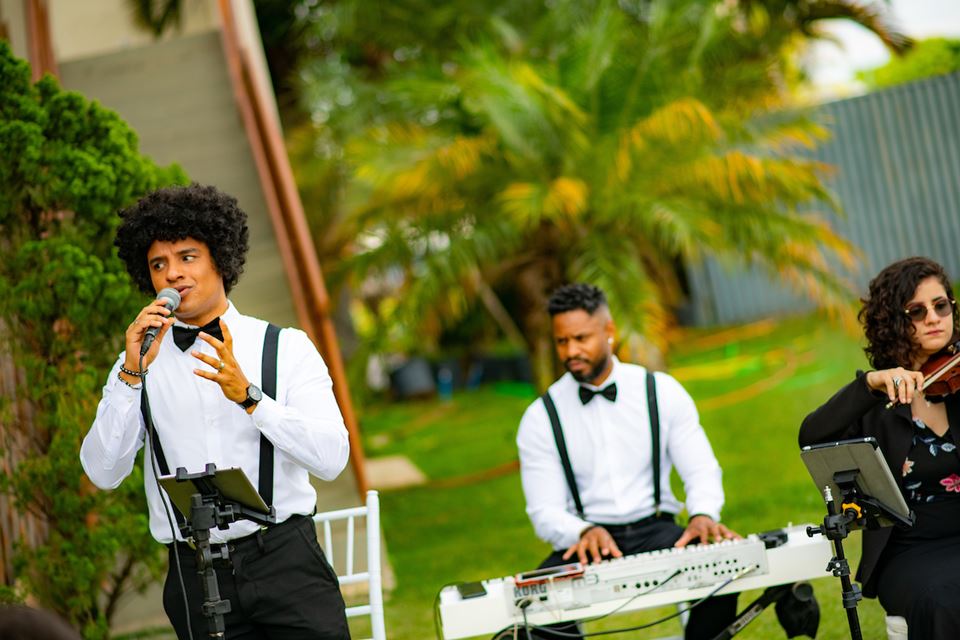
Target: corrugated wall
x,y
177,96
897,155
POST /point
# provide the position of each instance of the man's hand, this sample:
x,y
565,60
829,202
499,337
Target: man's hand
x,y
598,541
226,371
154,314
704,529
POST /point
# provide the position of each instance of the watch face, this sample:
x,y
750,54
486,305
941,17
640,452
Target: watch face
x,y
254,393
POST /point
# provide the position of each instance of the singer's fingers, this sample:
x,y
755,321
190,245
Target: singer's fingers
x,y
151,316
213,342
140,326
208,359
166,327
209,375
154,309
161,305
227,337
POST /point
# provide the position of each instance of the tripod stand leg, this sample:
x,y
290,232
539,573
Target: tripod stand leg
x,y
213,607
754,609
202,515
850,592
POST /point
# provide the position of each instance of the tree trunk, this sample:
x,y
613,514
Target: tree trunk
x,y
498,312
544,371
534,284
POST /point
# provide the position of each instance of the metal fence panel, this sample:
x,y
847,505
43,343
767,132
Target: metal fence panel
x,y
897,157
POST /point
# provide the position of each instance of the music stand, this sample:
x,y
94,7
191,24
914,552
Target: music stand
x,y
211,499
869,499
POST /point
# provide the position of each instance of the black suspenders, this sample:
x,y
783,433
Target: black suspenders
x,y
653,409
562,448
268,381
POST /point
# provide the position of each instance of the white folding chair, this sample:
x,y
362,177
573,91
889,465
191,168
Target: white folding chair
x,y
346,573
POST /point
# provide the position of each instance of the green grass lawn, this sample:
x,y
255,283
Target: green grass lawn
x,y
753,387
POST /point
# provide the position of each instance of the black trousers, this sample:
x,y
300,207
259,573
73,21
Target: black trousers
x,y
279,584
921,582
656,532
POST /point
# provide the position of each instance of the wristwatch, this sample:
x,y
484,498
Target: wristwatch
x,y
254,395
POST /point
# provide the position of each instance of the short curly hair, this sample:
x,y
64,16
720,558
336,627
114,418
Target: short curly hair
x,y
571,297
176,213
889,331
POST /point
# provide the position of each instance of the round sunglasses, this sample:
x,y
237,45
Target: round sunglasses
x,y
942,307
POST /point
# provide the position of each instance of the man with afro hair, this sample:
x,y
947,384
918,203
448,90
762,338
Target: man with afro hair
x,y
206,369
596,453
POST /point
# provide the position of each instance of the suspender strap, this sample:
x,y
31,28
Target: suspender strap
x,y
654,437
652,408
562,449
268,381
155,448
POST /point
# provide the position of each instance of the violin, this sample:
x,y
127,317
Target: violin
x,y
941,372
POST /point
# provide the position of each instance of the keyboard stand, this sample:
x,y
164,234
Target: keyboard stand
x,y
797,611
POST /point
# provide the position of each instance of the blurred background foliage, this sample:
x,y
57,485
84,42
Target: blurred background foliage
x,y
927,58
471,157
68,166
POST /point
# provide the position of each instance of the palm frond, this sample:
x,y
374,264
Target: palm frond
x,y
618,266
739,177
409,166
684,125
869,16
533,118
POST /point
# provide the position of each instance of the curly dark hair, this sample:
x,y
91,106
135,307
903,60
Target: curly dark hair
x,y
176,213
571,297
888,330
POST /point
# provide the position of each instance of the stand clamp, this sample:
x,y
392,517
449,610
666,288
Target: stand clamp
x,y
209,508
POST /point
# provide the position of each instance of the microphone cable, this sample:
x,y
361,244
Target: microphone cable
x,y
148,418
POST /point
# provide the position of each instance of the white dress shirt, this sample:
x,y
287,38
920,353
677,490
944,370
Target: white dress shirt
x,y
197,424
610,451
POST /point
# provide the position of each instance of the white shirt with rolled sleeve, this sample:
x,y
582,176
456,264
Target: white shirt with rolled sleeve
x,y
609,445
197,424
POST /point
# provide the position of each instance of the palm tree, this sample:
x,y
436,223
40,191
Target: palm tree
x,y
610,144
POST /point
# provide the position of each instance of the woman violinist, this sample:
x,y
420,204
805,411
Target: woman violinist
x,y
908,316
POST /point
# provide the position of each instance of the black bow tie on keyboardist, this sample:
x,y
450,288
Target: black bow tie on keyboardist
x,y
609,392
184,337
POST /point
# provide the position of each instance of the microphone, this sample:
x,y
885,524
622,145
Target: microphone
x,y
172,301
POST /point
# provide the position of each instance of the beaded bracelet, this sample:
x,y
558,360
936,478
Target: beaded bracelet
x,y
134,387
135,374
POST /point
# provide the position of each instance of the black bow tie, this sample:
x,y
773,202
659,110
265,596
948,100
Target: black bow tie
x,y
184,337
609,392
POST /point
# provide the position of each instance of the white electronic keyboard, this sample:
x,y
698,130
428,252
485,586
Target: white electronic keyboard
x,y
635,582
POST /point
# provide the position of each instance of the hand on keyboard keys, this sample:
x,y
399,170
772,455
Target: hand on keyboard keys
x,y
705,529
598,542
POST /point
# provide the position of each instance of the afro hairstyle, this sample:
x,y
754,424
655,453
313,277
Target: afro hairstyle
x,y
176,213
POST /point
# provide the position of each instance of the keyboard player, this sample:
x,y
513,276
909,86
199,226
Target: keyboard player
x,y
593,486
